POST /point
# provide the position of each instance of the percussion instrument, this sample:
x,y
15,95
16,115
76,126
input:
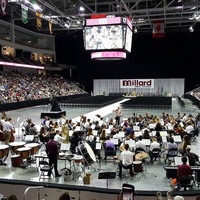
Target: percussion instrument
x,y
137,166
16,160
34,147
4,150
24,152
78,159
141,155
15,145
86,151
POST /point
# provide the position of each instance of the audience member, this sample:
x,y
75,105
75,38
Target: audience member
x,y
65,196
12,197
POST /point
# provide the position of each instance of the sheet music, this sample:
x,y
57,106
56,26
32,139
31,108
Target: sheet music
x,y
98,146
95,132
65,147
147,141
177,138
70,133
115,141
178,161
121,134
138,133
130,142
29,137
164,139
163,133
136,128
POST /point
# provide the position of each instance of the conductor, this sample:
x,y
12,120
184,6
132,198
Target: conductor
x,y
54,104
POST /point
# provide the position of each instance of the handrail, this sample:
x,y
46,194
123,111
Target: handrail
x,y
36,187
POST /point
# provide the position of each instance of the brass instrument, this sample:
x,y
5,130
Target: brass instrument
x,y
65,133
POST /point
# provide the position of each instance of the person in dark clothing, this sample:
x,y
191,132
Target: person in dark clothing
x,y
75,139
193,158
52,151
54,105
93,146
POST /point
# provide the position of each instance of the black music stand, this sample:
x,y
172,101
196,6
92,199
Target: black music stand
x,y
107,175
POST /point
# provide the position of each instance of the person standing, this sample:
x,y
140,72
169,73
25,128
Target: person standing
x,y
52,151
118,114
8,130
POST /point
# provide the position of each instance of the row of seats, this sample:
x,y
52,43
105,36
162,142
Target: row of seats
x,y
149,103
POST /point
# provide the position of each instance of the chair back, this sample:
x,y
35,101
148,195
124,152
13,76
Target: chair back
x,y
139,150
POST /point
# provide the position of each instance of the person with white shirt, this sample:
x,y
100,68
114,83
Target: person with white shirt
x,y
154,144
140,143
126,161
58,138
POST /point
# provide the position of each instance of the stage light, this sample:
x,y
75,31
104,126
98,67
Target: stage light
x,y
191,29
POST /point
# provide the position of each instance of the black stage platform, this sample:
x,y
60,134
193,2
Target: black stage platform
x,y
53,114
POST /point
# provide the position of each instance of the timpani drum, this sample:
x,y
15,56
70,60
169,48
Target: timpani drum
x,y
15,145
137,166
24,152
86,151
4,150
34,147
16,160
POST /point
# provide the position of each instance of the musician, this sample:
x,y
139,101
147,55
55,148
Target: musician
x,y
58,138
33,131
140,143
8,129
74,140
118,114
193,158
154,144
93,146
184,169
126,161
44,135
52,151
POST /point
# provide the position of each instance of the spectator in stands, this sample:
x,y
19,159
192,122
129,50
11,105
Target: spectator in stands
x,y
65,196
12,197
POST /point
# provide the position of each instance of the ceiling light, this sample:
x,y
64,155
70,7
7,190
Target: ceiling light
x,y
191,29
81,9
135,30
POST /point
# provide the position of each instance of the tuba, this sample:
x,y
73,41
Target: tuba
x,y
65,133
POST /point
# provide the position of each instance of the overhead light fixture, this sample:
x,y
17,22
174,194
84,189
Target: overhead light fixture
x,y
135,29
191,29
81,9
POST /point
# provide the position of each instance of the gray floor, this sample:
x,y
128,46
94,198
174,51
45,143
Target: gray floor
x,y
154,173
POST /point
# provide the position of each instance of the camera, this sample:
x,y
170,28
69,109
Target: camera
x,y
128,191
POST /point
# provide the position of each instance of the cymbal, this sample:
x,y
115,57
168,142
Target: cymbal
x,y
141,155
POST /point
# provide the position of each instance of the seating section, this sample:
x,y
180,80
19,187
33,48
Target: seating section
x,y
149,102
90,101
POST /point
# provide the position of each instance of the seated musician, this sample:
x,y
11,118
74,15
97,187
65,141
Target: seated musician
x,y
154,144
183,170
126,161
193,158
140,143
44,135
93,146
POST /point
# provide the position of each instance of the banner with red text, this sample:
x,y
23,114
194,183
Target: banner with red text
x,y
137,83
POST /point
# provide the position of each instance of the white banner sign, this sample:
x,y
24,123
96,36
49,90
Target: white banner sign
x,y
137,83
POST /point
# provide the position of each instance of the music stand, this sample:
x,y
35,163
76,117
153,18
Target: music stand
x,y
107,175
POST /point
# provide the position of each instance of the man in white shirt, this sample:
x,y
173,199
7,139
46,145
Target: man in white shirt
x,y
126,161
140,143
153,145
7,130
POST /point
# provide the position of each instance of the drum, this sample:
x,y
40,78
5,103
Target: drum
x,y
137,166
78,159
24,152
16,160
4,150
86,151
34,147
15,145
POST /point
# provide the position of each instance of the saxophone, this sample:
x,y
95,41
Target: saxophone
x,y
65,133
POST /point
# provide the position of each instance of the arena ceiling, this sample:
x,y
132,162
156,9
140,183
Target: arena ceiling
x,y
177,15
